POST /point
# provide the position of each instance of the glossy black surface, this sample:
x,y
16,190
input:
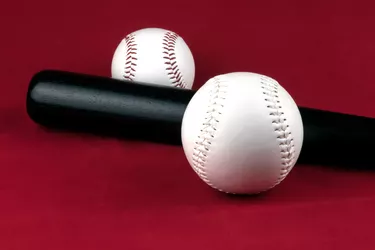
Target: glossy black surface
x,y
332,138
100,105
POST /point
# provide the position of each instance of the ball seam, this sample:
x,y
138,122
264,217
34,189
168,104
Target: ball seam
x,y
208,130
281,128
131,57
169,56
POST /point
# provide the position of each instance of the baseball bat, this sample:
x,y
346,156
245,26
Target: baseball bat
x,y
106,106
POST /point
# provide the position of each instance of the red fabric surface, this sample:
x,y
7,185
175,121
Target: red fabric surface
x,y
75,191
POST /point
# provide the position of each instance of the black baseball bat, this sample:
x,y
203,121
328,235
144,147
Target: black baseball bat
x,y
142,111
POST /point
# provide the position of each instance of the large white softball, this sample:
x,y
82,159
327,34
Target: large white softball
x,y
156,56
242,133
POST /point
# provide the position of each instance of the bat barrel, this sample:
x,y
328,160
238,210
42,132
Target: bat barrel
x,y
101,105
105,106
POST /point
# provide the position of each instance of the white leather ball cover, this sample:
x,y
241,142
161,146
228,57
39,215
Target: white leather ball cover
x,y
242,133
155,56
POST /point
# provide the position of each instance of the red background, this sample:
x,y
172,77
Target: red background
x,y
74,191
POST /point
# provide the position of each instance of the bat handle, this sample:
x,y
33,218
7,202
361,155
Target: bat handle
x,y
332,138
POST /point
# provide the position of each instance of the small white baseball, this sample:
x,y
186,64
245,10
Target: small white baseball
x,y
242,133
155,56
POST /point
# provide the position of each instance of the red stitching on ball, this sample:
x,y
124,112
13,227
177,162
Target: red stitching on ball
x,y
131,53
169,44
